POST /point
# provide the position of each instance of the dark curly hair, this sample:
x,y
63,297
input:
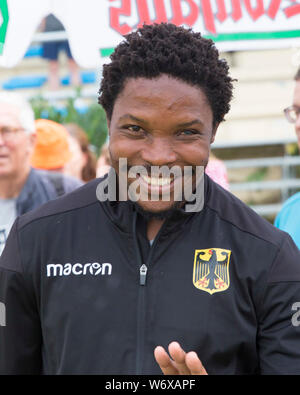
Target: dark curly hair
x,y
168,49
297,76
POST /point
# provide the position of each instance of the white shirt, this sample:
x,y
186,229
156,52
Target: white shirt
x,y
8,214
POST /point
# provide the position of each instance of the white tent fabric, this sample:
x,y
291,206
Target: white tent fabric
x,y
84,21
95,25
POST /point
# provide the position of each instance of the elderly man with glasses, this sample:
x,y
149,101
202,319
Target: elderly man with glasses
x,y
21,187
288,218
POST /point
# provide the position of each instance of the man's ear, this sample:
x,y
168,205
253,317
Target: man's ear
x,y
214,132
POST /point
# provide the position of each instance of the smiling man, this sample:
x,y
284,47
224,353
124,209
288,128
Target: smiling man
x,y
149,128
142,285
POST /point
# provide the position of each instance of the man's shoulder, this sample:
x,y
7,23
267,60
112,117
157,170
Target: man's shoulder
x,y
77,199
235,212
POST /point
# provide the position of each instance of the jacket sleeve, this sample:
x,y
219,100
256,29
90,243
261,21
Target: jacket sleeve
x,y
20,333
279,314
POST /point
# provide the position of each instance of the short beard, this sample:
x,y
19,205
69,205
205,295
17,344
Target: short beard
x,y
161,215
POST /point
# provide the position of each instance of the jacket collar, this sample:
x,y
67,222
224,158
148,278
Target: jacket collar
x,y
121,213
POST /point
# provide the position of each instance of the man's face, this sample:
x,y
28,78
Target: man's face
x,y
160,122
15,147
296,102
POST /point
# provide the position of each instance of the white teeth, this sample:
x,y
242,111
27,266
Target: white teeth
x,y
157,181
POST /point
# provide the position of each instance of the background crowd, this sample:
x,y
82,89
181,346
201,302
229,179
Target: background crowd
x,y
39,160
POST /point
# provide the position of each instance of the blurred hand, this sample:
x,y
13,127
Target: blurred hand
x,y
180,362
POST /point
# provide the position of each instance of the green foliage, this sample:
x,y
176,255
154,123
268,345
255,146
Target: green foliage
x,y
292,149
258,175
92,120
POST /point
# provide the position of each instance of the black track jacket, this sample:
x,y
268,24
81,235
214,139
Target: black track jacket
x,y
74,300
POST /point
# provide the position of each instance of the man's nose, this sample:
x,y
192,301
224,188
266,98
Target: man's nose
x,y
159,152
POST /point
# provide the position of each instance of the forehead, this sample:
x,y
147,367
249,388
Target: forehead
x,y
9,115
163,94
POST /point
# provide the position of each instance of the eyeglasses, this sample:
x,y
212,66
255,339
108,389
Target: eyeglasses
x,y
292,113
9,134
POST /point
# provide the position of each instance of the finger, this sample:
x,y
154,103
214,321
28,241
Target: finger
x,y
178,355
164,361
194,364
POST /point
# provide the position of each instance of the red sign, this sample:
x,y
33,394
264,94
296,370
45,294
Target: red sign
x,y
254,9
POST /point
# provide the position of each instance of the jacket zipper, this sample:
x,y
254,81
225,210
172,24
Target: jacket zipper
x,y
143,274
140,330
141,305
141,312
141,319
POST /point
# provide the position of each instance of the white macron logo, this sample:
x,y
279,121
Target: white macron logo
x,y
77,269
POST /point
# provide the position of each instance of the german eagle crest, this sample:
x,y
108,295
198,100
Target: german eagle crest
x,y
211,270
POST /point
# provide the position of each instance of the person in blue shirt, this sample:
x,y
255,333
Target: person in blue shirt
x,y
288,219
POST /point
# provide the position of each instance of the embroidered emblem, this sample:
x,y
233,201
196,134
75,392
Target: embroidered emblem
x,y
211,270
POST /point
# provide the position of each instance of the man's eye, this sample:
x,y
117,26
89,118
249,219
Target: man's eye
x,y
7,130
134,128
189,132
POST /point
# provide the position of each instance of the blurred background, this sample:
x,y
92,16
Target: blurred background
x,y
256,143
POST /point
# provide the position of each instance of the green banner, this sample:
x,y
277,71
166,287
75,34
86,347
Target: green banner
x,y
105,52
4,17
255,35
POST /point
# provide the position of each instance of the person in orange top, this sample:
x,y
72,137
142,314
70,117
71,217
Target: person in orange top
x,y
51,151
